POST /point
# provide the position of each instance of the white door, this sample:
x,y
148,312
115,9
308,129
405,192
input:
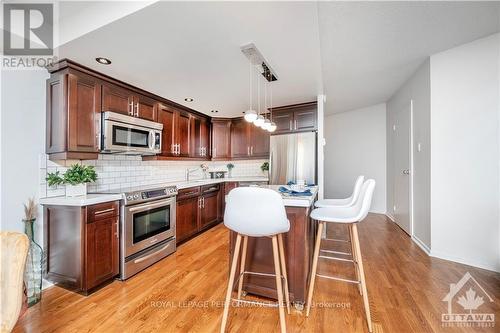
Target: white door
x,y
402,162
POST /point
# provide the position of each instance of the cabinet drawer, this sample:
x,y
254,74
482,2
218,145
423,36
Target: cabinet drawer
x,y
102,211
210,188
188,193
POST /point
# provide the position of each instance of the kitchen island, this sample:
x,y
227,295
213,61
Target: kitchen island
x,y
298,244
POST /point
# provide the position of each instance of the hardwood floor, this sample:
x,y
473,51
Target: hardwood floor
x,y
185,292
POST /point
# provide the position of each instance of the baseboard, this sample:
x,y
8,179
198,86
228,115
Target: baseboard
x,y
422,245
390,217
467,262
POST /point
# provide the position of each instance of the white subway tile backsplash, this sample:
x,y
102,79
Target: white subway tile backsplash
x,y
120,171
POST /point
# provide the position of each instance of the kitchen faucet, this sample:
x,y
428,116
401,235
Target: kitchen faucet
x,y
189,171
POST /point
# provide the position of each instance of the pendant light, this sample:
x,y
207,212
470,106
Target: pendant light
x,y
272,127
250,114
267,122
260,119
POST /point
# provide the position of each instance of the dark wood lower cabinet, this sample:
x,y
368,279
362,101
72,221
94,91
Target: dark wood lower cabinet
x,y
198,208
82,245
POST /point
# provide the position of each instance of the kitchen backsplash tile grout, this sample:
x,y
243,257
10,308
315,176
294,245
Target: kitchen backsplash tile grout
x,y
121,171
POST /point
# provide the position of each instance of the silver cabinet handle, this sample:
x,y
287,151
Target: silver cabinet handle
x,y
172,148
251,150
178,148
131,108
137,109
199,202
291,128
152,254
295,122
104,211
248,150
203,201
117,230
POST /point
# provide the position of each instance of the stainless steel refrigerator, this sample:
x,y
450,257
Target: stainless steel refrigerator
x,y
293,157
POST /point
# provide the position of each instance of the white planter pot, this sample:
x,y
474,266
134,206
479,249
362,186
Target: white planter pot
x,y
76,190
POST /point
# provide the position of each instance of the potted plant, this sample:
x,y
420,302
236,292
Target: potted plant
x,y
265,167
75,179
230,167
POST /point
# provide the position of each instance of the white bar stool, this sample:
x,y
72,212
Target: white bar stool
x,y
350,216
257,212
347,202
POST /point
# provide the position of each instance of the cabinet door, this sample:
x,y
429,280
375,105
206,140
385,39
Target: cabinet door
x,y
240,145
101,260
182,134
145,107
221,139
166,115
305,120
283,121
84,113
186,218
259,143
199,137
117,99
211,209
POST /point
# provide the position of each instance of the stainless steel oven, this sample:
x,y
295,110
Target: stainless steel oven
x,y
130,135
148,228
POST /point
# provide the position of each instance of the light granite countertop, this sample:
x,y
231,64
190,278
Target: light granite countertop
x,y
295,201
95,198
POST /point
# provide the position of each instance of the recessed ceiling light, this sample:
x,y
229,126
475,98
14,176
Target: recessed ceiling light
x,y
103,61
188,99
215,111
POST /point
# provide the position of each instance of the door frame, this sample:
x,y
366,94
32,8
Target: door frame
x,y
411,168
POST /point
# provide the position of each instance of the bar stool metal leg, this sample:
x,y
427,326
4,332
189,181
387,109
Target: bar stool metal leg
x,y
362,275
353,252
279,284
314,266
242,265
230,283
283,269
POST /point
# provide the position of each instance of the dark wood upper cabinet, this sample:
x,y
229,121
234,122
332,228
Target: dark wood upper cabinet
x,y
200,138
221,139
240,138
295,118
182,135
73,116
166,115
117,99
176,131
259,142
145,107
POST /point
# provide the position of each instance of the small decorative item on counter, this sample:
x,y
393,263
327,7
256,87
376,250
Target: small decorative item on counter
x,y
204,168
217,174
36,259
75,179
230,167
265,167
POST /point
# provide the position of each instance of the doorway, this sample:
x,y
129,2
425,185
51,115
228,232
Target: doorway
x,y
402,172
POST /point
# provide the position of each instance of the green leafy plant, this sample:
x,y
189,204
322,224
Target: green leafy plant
x,y
76,174
265,166
230,166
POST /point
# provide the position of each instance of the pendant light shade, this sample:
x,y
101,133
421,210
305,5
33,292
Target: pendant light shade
x,y
250,116
266,125
259,121
272,127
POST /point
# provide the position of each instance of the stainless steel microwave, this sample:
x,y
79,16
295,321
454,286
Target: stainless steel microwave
x,y
129,135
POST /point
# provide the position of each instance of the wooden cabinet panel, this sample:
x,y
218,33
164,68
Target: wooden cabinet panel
x,y
103,210
259,142
240,145
211,209
117,99
56,118
221,139
166,115
183,133
187,218
145,107
101,249
305,120
199,137
283,121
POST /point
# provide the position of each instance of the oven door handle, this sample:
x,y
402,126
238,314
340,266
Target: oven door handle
x,y
152,254
150,205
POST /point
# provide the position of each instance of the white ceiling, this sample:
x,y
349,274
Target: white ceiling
x,y
179,50
358,53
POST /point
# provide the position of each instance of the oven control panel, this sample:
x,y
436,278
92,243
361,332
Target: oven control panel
x,y
151,194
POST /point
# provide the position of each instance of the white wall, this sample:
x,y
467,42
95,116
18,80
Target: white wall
x,y
356,145
417,88
22,140
465,153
